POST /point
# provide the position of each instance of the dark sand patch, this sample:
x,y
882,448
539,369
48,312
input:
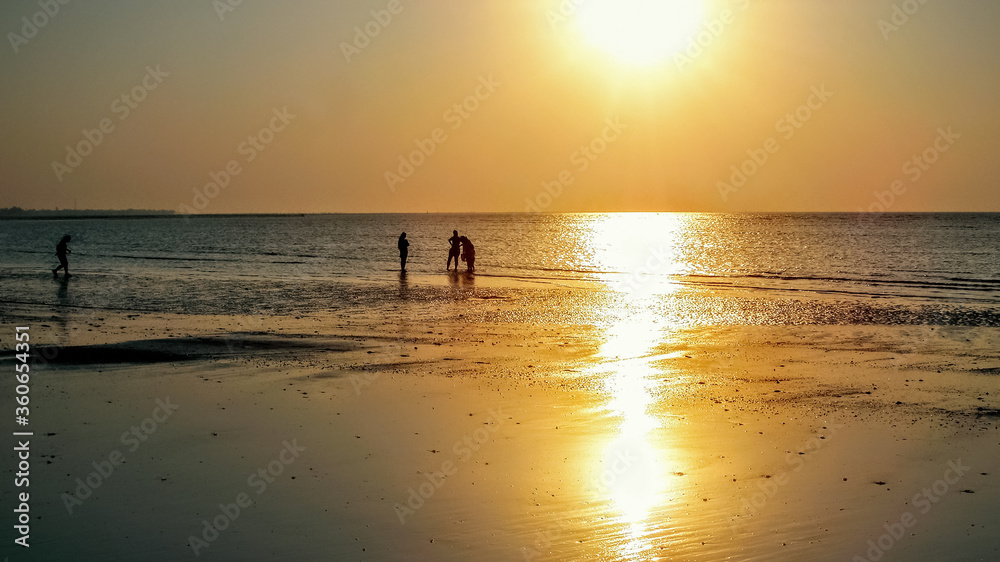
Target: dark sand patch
x,y
166,350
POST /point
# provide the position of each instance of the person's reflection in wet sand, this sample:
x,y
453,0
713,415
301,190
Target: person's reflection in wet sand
x,y
460,279
64,315
404,285
62,293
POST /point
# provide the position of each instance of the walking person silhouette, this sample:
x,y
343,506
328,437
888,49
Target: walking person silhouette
x,y
61,251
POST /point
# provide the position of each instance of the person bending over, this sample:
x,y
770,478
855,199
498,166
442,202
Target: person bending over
x,y
468,254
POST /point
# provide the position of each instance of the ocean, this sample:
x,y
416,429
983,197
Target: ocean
x,y
932,268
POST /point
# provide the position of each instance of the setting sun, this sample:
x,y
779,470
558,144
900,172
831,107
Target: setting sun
x,y
641,32
721,282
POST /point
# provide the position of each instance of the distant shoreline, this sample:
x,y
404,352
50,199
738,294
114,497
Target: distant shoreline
x,y
81,217
19,214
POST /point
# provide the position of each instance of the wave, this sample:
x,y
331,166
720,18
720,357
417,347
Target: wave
x,y
960,283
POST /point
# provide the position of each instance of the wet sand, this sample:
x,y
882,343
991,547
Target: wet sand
x,y
362,438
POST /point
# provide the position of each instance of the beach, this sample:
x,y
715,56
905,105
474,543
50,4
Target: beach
x,y
477,434
721,283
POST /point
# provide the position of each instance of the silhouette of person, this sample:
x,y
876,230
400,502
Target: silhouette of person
x,y
453,250
61,251
468,254
404,249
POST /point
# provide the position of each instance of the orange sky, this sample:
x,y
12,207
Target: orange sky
x,y
306,123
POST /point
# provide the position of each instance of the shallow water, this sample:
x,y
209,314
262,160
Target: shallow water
x,y
694,268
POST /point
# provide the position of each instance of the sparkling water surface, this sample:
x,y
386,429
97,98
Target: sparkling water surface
x,y
825,268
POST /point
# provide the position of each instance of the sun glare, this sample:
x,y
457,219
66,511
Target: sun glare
x,y
640,32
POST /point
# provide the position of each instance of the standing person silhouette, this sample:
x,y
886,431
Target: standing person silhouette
x,y
404,249
61,251
453,250
468,254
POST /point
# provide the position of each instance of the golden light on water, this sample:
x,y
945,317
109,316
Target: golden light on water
x,y
634,463
640,32
632,467
644,249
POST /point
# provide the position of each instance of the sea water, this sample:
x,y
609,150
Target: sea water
x,y
932,268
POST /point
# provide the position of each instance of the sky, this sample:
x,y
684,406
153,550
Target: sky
x,y
228,106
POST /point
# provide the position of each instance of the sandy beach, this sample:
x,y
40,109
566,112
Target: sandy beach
x,y
172,437
721,281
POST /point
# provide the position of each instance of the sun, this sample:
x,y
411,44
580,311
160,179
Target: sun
x,y
640,32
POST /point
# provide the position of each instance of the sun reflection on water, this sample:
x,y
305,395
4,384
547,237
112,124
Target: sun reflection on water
x,y
645,250
634,463
633,469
